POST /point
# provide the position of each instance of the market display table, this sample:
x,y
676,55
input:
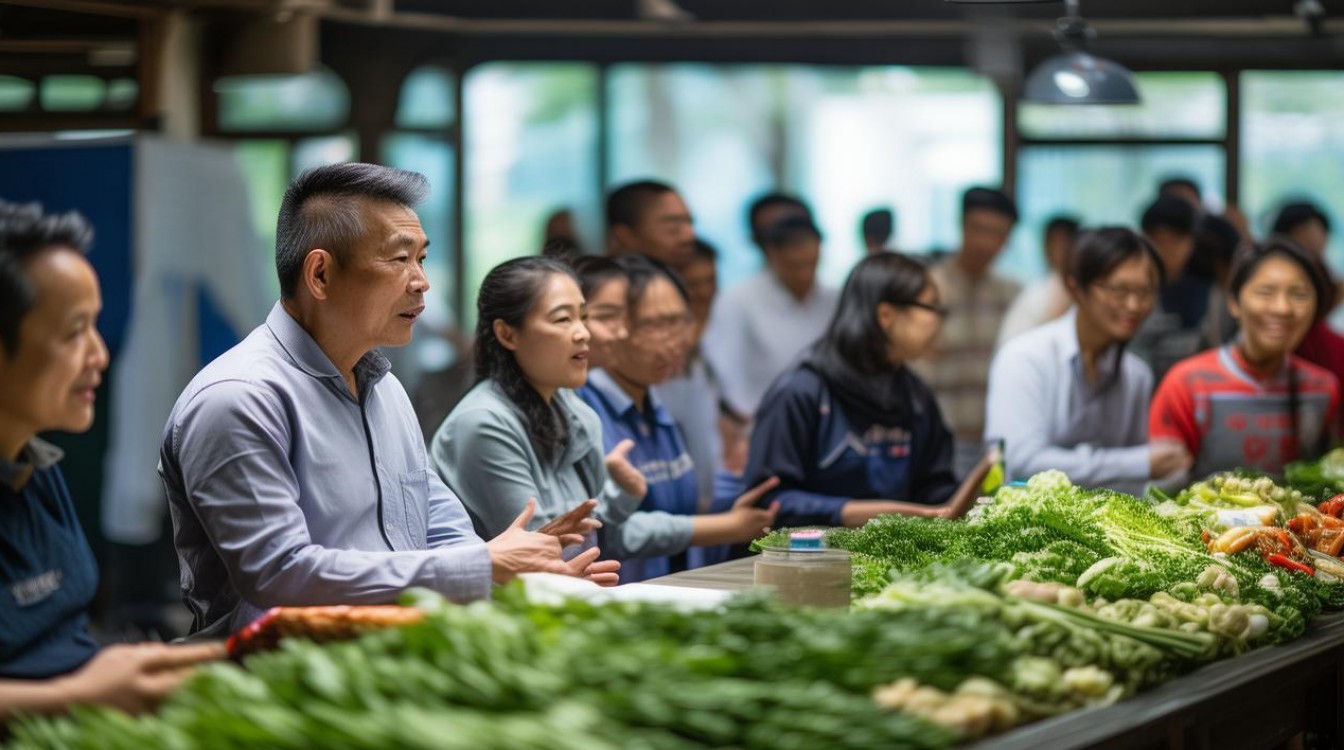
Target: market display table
x,y
1258,700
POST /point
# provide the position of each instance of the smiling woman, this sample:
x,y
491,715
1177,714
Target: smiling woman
x,y
1253,403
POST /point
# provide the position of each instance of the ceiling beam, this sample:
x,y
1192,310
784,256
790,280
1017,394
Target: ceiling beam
x,y
96,7
1279,26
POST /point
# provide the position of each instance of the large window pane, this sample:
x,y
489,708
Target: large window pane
x,y
907,139
1293,147
265,167
674,123
72,93
1175,105
426,99
432,157
530,145
1099,185
321,151
846,139
311,101
16,93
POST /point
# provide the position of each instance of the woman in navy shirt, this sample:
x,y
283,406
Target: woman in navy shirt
x,y
850,431
51,362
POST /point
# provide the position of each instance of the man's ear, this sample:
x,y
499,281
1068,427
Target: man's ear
x,y
505,333
318,265
623,238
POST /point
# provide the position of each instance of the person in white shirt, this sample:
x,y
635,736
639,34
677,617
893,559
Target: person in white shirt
x,y
760,326
1067,395
1047,298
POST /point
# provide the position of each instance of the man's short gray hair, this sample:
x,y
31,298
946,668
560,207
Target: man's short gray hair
x,y
323,208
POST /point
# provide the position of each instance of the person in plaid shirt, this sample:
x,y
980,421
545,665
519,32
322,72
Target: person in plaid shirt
x,y
976,299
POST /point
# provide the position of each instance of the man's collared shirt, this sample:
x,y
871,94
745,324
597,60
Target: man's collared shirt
x,y
756,331
285,489
37,455
47,573
1050,416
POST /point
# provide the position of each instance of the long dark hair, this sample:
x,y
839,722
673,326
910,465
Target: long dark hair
x,y
854,340
1244,263
508,293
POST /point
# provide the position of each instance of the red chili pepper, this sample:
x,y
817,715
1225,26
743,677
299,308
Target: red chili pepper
x,y
1298,525
1284,562
1334,506
1284,538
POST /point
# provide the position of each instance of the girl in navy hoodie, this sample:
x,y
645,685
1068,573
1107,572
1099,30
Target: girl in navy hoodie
x,y
850,431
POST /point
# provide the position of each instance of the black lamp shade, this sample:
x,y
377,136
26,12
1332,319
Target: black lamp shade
x,y
1077,77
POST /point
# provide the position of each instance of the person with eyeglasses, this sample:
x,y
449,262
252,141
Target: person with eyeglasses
x,y
850,430
624,395
1253,403
1068,395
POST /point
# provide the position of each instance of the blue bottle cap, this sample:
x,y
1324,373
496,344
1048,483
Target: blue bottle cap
x,y
809,539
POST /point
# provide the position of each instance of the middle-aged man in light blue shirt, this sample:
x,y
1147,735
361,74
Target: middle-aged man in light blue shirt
x,y
295,468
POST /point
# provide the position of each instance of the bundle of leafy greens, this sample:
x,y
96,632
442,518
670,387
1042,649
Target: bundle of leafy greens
x,y
518,675
1136,655
1110,545
1320,478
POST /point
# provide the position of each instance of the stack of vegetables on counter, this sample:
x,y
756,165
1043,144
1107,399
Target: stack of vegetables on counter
x,y
1048,598
1135,591
514,674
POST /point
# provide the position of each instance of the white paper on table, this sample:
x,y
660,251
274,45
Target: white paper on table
x,y
554,589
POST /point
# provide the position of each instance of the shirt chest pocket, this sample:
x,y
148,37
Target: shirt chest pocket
x,y
884,465
888,468
414,487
